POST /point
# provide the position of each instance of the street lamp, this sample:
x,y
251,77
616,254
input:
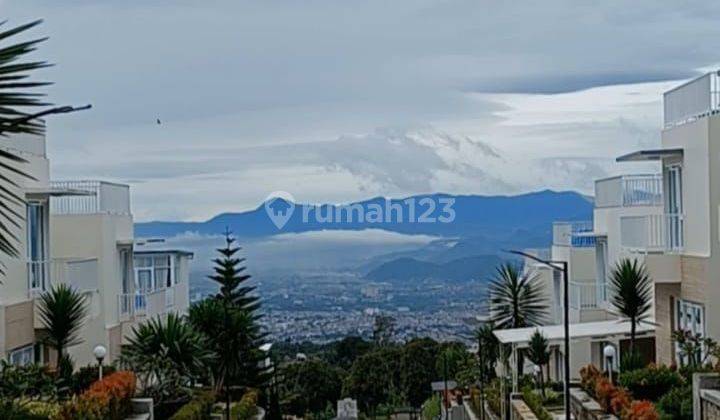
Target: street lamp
x,y
100,351
609,353
561,266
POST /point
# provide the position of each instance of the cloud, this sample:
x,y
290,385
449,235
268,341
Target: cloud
x,y
278,95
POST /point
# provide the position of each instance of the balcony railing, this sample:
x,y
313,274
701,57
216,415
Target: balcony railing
x,y
106,198
147,304
695,99
629,190
576,234
585,295
652,233
81,274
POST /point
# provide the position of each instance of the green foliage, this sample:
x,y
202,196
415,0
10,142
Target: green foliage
x,y
535,403
343,353
488,351
695,349
198,408
86,375
246,409
374,377
167,355
431,408
539,353
494,394
26,382
677,404
416,377
308,386
15,97
383,330
631,361
15,410
452,358
516,299
62,311
631,291
41,409
650,383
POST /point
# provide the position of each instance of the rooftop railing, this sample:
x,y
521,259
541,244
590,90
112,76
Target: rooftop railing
x,y
576,234
629,190
690,101
146,304
105,198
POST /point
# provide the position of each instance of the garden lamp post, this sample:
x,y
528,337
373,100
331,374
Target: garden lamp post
x,y
100,351
561,266
609,353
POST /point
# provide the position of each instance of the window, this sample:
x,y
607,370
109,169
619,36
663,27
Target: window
x,y
125,268
689,316
22,356
154,273
36,245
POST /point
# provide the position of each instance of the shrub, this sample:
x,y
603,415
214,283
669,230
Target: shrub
x,y
86,375
42,409
27,382
197,409
641,410
588,378
604,393
535,403
650,383
105,399
494,395
677,404
246,408
620,401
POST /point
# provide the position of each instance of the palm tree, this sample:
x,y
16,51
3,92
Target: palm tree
x,y
62,311
539,354
516,299
488,353
632,294
167,355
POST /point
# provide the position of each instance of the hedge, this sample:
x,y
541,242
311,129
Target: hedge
x,y
107,399
197,409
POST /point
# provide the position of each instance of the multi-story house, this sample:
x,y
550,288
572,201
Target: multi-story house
x,y
670,221
79,233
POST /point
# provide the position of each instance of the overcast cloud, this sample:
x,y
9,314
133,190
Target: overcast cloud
x,y
335,101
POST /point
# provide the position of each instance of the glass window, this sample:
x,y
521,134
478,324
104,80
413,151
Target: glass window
x,y
22,356
689,316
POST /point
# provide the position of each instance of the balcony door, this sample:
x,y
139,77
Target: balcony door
x,y
674,207
37,253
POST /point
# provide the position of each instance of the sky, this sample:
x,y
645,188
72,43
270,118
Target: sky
x,y
335,101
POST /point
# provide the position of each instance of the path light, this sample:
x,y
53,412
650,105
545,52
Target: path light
x,y
609,353
100,351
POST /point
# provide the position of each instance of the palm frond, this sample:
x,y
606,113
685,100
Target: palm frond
x,y
516,298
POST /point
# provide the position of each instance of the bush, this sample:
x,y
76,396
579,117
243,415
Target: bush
x,y
494,395
431,407
197,409
86,375
650,383
641,410
677,404
105,399
588,378
604,393
535,402
42,409
246,408
27,382
620,401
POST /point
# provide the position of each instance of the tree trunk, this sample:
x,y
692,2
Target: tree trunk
x,y
542,383
632,336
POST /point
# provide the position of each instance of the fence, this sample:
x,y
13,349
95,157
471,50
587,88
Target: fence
x,y
103,198
629,190
652,233
695,99
80,274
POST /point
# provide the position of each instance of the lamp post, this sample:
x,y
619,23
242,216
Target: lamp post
x,y
609,353
561,266
100,351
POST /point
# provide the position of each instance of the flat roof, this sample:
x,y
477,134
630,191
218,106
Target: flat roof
x,y
652,154
57,192
163,251
556,333
440,385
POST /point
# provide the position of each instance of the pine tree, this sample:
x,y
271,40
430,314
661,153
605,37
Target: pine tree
x,y
230,321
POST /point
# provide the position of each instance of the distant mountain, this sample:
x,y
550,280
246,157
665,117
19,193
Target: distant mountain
x,y
497,219
476,268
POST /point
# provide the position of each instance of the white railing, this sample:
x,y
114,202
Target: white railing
x,y
105,198
652,233
584,295
571,234
81,274
629,190
692,100
146,304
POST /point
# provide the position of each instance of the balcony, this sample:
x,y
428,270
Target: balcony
x,y
104,198
81,274
690,101
629,191
146,305
655,233
577,234
585,295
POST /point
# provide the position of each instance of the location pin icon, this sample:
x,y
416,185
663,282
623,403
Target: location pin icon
x,y
279,206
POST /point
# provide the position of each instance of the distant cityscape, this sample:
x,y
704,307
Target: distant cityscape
x,y
324,307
